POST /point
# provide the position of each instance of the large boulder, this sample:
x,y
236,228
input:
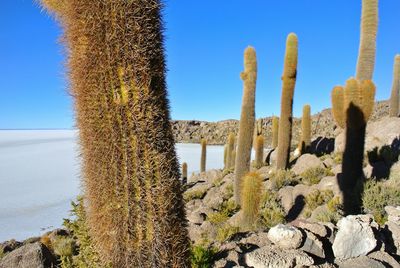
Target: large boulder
x,y
361,262
270,256
384,258
392,234
313,245
9,245
383,132
285,236
393,214
355,237
306,161
34,255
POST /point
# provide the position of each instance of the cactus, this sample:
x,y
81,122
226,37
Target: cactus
x,y
257,131
259,148
394,97
203,155
305,140
285,121
225,156
369,28
251,193
353,105
230,160
247,117
275,131
135,210
184,173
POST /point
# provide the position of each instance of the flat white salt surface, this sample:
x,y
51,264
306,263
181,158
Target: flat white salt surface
x,y
39,177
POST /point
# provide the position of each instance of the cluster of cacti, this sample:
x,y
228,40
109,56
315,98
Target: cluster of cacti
x,y
251,194
184,173
285,120
305,140
116,64
394,97
259,149
369,28
203,144
247,117
275,131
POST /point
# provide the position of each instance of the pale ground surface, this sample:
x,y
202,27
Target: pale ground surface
x,y
39,177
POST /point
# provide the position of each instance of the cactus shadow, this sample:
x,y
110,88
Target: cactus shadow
x,y
322,145
296,209
382,159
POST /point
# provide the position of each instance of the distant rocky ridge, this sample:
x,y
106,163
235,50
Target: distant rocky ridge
x,y
192,131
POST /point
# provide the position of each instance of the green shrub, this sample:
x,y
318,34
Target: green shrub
x,y
217,217
272,212
226,231
317,198
328,216
65,248
202,257
281,178
314,175
2,254
377,195
194,194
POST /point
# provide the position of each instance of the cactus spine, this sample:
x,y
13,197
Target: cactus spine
x,y
247,118
369,28
230,160
275,131
356,102
184,173
251,198
203,155
394,97
305,140
285,121
259,148
135,209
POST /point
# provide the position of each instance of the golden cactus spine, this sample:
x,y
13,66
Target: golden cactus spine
x,y
251,193
203,155
285,120
366,52
305,140
130,170
394,97
230,149
247,118
259,148
275,131
184,173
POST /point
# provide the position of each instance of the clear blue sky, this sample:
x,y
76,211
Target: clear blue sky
x,y
204,42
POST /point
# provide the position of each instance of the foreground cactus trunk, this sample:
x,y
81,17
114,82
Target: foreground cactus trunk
x,y
286,118
352,108
203,158
247,118
367,49
394,97
130,170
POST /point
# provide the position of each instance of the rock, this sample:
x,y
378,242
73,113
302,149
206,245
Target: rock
x,y
313,245
355,237
34,255
337,169
329,183
368,171
285,195
259,239
382,132
9,246
328,162
301,189
361,262
270,256
392,234
315,228
393,214
285,236
306,161
384,258
196,217
213,198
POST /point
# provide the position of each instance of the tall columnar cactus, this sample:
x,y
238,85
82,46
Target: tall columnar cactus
x,y
285,121
353,106
394,97
247,117
230,160
116,65
257,131
203,155
259,148
305,140
251,193
225,156
369,28
275,131
184,173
